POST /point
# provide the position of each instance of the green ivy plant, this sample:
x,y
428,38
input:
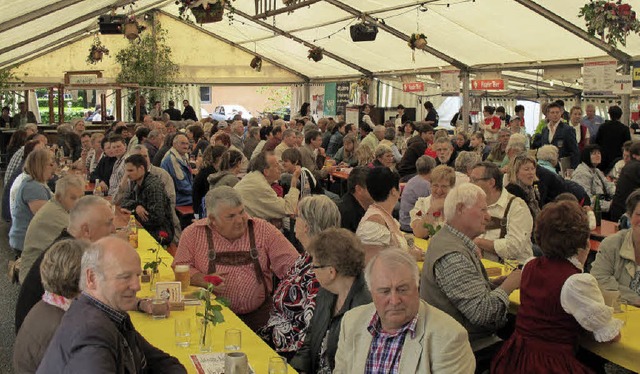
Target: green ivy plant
x,y
148,63
611,21
8,79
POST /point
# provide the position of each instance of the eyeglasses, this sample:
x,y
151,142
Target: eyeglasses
x,y
474,180
319,266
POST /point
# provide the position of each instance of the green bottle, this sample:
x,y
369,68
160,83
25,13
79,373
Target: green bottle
x,y
597,211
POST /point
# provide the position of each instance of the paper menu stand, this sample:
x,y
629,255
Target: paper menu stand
x,y
211,363
171,291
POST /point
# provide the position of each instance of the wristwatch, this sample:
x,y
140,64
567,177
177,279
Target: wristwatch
x,y
138,305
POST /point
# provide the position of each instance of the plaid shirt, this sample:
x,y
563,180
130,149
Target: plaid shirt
x,y
386,349
467,289
14,164
119,318
116,176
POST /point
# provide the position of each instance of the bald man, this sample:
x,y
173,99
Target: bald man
x,y
96,334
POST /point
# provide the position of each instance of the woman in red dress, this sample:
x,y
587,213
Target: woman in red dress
x,y
557,300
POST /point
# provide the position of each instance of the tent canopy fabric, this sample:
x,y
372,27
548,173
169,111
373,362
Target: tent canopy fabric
x,y
481,35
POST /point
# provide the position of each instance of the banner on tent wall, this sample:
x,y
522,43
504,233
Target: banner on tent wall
x,y
487,84
330,99
450,82
342,97
318,105
635,74
622,85
598,77
413,87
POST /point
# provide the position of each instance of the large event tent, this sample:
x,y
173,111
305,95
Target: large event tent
x,y
538,46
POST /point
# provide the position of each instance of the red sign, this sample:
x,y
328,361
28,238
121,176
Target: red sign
x,y
413,87
487,84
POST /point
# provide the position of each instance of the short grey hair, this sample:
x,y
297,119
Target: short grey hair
x,y
221,196
63,184
31,126
443,140
390,133
425,164
466,194
379,129
548,152
515,140
392,257
466,160
139,148
65,128
382,149
288,132
92,258
80,212
153,134
319,212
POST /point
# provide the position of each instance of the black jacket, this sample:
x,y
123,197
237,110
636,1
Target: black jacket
x,y
611,136
415,148
564,138
89,341
550,185
324,322
201,187
153,197
157,159
628,182
174,114
189,113
351,212
104,169
31,290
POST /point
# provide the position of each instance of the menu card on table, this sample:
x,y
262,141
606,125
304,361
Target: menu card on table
x,y
211,363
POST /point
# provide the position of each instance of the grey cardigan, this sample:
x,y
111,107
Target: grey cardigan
x,y
615,265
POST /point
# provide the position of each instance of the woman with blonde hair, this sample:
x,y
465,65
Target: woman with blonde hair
x,y
430,209
31,195
521,182
60,271
383,157
364,155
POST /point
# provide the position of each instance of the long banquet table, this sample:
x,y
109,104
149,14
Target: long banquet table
x,y
625,353
160,333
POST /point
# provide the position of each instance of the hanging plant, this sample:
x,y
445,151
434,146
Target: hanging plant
x,y
417,40
204,11
364,83
612,22
256,64
288,2
97,51
315,54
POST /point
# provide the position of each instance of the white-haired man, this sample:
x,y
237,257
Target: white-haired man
x,y
244,251
398,332
373,138
237,132
455,281
96,334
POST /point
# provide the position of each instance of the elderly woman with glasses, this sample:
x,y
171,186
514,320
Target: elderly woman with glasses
x,y
592,179
294,299
338,263
60,271
521,182
31,194
429,210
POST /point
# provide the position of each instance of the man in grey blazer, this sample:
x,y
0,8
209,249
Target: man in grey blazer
x,y
398,332
96,334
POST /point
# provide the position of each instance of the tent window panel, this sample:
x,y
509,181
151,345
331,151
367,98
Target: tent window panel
x,y
205,94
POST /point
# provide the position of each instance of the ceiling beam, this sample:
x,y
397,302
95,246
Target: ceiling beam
x,y
44,11
397,33
575,30
286,34
515,66
236,45
542,83
82,18
286,9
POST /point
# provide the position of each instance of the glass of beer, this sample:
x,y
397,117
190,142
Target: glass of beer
x,y
182,275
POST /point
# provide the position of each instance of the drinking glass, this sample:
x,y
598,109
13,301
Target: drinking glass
x,y
183,331
232,340
159,308
277,365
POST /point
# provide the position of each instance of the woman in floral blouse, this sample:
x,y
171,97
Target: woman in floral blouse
x,y
294,299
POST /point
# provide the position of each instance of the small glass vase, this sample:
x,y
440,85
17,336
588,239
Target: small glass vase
x,y
206,336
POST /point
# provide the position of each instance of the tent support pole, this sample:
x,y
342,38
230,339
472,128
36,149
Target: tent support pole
x,y
465,99
626,104
306,93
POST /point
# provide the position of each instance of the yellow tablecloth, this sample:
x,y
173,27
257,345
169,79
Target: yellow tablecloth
x,y
160,333
625,353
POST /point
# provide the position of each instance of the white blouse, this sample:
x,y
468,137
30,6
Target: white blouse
x,y
373,233
581,297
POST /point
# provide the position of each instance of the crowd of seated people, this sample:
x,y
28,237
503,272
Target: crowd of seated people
x,y
310,227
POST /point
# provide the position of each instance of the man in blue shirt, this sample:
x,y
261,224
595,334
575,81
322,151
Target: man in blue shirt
x,y
592,121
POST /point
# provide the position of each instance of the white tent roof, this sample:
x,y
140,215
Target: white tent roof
x,y
480,35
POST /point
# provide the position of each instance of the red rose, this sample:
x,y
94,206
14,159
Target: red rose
x,y
624,9
419,214
437,214
213,279
163,234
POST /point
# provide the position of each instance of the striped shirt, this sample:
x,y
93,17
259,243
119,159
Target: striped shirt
x,y
386,349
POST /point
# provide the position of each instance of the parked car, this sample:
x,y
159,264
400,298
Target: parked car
x,y
227,112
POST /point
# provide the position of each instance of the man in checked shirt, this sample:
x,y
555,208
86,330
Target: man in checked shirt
x,y
455,281
399,333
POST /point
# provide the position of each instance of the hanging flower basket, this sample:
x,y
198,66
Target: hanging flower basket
x,y
256,64
315,54
211,15
204,11
418,41
288,2
364,83
96,52
130,30
612,22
